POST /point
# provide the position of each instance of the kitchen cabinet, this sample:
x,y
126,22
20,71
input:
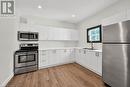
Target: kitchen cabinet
x,y
92,58
79,56
43,33
43,58
51,33
63,34
99,58
89,59
52,57
48,58
74,35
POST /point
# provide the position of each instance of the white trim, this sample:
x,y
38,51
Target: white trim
x,y
89,69
7,80
47,66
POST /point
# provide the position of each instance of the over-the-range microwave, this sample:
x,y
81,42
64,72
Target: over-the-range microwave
x,y
27,36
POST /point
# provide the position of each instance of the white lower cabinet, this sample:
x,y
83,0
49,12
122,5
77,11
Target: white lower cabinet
x,y
48,58
89,59
43,58
92,60
99,56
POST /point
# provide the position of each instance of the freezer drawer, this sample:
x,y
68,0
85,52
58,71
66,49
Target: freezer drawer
x,y
117,33
116,64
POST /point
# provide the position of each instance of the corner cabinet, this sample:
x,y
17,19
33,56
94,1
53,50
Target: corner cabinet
x,y
91,60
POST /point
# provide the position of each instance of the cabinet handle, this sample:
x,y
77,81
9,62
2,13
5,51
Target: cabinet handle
x,y
97,54
43,60
43,54
54,51
84,51
79,51
65,50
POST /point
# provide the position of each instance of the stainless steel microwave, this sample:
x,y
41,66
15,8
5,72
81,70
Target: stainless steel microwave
x,y
27,36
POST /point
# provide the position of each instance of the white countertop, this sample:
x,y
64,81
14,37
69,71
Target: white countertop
x,y
96,50
61,48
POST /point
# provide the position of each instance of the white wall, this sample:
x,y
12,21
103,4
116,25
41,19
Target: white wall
x,y
96,19
7,44
34,20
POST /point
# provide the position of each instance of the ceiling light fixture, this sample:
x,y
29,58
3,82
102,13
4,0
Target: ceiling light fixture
x,y
73,15
39,6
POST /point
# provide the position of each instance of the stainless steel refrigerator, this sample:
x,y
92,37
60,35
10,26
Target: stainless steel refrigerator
x,y
116,54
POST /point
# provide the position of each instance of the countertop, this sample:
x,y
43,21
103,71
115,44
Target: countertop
x,y
78,48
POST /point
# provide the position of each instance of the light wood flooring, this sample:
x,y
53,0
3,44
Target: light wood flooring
x,y
69,75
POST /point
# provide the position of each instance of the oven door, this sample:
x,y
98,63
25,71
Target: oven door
x,y
24,59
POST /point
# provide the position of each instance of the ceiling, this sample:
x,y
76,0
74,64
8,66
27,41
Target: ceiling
x,y
62,10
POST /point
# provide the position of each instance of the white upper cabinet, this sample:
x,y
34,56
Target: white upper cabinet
x,y
62,34
74,35
51,33
43,33
49,58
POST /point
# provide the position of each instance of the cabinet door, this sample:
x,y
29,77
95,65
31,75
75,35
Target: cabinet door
x,y
80,58
53,59
86,59
74,35
51,34
83,58
65,34
99,56
77,55
43,58
92,60
43,33
64,56
55,34
70,55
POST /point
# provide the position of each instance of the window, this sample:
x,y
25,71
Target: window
x,y
94,34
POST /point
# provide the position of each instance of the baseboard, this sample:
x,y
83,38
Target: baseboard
x,y
89,69
7,80
43,67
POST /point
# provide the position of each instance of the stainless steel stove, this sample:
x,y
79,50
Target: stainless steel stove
x,y
26,58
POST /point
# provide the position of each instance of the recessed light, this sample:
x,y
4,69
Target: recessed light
x,y
39,6
73,15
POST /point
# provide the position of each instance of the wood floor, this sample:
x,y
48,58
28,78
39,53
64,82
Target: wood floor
x,y
69,75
